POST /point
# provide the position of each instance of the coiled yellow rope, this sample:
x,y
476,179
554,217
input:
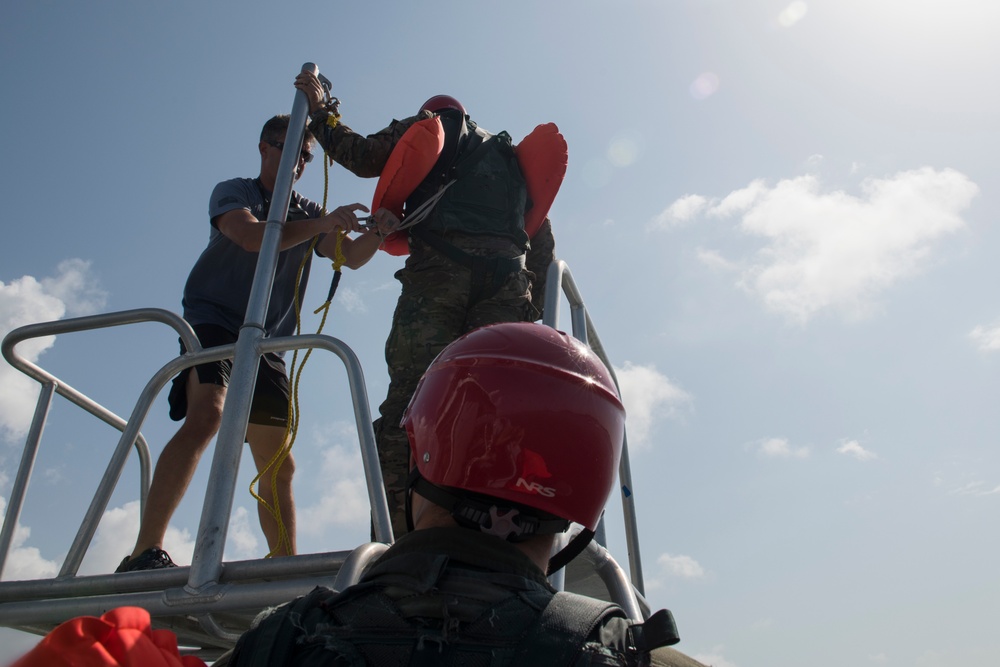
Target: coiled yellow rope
x,y
284,545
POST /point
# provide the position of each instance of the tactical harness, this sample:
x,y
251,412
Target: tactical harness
x,y
417,609
484,195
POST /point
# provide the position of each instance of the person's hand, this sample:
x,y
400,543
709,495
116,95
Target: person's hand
x,y
310,85
343,217
385,221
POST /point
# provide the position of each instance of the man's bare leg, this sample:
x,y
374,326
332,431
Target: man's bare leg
x,y
179,460
265,442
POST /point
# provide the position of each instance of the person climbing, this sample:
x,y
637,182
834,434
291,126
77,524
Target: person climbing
x,y
466,260
215,301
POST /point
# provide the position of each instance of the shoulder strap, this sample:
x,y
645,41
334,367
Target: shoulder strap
x,y
272,641
564,626
656,631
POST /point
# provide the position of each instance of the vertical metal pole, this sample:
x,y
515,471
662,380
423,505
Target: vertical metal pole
x,y
559,276
24,470
206,564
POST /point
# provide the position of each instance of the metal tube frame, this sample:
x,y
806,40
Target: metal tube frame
x,y
208,586
559,276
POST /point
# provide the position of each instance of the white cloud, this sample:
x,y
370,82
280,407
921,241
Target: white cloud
x,y
684,567
854,448
715,261
968,488
648,396
242,541
350,300
739,201
340,485
115,538
833,251
73,290
987,339
974,488
77,287
778,448
682,210
116,535
25,562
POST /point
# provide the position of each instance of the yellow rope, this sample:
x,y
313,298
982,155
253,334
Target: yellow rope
x,y
284,545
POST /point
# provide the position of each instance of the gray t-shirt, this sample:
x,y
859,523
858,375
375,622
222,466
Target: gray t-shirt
x,y
218,287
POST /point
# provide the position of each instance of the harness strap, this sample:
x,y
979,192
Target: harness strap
x,y
564,626
488,273
656,631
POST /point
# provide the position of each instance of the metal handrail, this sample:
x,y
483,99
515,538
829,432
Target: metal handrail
x,y
210,586
50,383
206,588
559,276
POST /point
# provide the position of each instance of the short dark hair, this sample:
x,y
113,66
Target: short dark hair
x,y
274,130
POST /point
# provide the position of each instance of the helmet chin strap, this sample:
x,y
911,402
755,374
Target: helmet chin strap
x,y
507,523
560,559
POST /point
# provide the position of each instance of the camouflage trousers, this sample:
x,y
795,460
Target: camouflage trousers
x,y
433,310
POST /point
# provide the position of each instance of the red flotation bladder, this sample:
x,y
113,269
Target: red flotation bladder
x,y
122,637
409,163
542,156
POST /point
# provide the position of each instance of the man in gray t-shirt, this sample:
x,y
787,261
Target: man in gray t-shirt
x,y
215,302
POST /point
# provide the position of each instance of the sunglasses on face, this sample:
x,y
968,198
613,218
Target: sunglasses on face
x,y
305,155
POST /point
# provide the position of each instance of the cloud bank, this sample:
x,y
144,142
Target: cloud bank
x,y
830,250
27,300
648,396
986,338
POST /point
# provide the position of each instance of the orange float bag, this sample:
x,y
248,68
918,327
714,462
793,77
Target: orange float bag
x,y
122,637
542,156
412,158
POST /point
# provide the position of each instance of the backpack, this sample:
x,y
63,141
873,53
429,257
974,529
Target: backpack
x,y
363,626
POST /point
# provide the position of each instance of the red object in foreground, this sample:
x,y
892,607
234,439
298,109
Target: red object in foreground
x,y
122,637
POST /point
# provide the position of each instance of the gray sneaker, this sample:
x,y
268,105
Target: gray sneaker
x,y
152,558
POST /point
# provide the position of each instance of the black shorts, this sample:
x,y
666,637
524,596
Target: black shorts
x,y
270,397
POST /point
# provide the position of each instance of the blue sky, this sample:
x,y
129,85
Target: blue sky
x,y
781,216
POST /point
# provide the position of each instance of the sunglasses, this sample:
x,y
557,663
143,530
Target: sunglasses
x,y
306,155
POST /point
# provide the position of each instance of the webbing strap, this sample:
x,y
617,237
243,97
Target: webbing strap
x,y
488,273
564,626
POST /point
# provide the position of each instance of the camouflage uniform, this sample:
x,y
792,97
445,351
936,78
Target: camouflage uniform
x,y
541,253
434,306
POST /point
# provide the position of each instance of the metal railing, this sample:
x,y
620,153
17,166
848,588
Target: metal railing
x,y
559,276
208,602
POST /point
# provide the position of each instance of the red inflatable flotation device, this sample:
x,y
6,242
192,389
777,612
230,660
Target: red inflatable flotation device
x,y
409,163
122,637
542,155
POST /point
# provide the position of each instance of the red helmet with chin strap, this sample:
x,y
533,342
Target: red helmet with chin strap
x,y
518,415
440,103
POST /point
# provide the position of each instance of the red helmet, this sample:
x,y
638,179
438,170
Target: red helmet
x,y
522,414
441,102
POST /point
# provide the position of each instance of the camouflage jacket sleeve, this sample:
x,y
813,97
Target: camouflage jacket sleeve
x,y
363,156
